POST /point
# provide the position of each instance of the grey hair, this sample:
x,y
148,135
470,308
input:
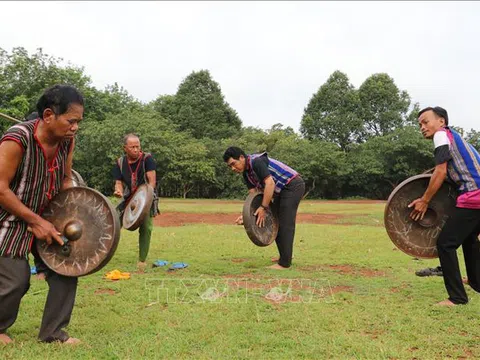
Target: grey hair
x,y
128,136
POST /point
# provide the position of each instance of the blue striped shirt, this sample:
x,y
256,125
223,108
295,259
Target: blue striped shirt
x,y
281,173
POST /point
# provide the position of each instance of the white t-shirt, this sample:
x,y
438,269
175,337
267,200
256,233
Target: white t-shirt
x,y
442,144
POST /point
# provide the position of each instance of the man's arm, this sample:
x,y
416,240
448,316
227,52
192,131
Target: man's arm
x,y
260,167
435,183
268,191
442,156
150,174
438,177
117,175
152,178
118,188
10,157
67,180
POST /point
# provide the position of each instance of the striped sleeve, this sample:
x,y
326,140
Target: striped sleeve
x,y
16,134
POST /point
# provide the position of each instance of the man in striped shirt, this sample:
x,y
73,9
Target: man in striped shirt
x,y
36,161
458,160
278,181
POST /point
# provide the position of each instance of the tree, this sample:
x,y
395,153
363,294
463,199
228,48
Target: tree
x,y
189,166
412,118
321,164
165,106
382,162
24,77
383,107
331,114
473,137
199,107
114,99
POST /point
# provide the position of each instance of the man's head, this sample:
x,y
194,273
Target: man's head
x,y
235,159
131,145
61,109
431,119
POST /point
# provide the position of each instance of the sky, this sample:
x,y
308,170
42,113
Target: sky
x,y
268,57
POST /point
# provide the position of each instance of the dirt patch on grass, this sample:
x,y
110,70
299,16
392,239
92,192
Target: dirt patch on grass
x,y
179,219
105,291
346,269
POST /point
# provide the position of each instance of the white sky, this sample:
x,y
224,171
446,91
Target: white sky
x,y
268,57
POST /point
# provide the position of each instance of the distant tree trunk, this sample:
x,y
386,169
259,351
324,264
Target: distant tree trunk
x,y
313,187
186,190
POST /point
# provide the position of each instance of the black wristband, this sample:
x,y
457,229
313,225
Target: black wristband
x,y
265,207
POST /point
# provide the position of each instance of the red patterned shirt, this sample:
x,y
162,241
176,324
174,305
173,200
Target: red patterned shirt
x,y
35,183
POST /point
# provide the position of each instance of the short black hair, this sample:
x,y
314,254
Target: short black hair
x,y
58,98
439,111
32,116
233,152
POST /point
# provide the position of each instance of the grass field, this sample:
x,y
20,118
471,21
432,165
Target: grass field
x,y
349,295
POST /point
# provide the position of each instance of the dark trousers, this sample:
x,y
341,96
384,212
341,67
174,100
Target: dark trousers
x,y
14,283
461,228
286,205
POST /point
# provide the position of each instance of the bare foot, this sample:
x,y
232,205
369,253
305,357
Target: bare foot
x,y
275,259
141,266
40,276
72,341
465,281
276,267
445,303
5,339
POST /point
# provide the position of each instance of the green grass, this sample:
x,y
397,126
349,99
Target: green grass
x,y
359,299
349,212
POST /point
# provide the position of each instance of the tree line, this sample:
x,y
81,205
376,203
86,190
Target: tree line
x,y
352,142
